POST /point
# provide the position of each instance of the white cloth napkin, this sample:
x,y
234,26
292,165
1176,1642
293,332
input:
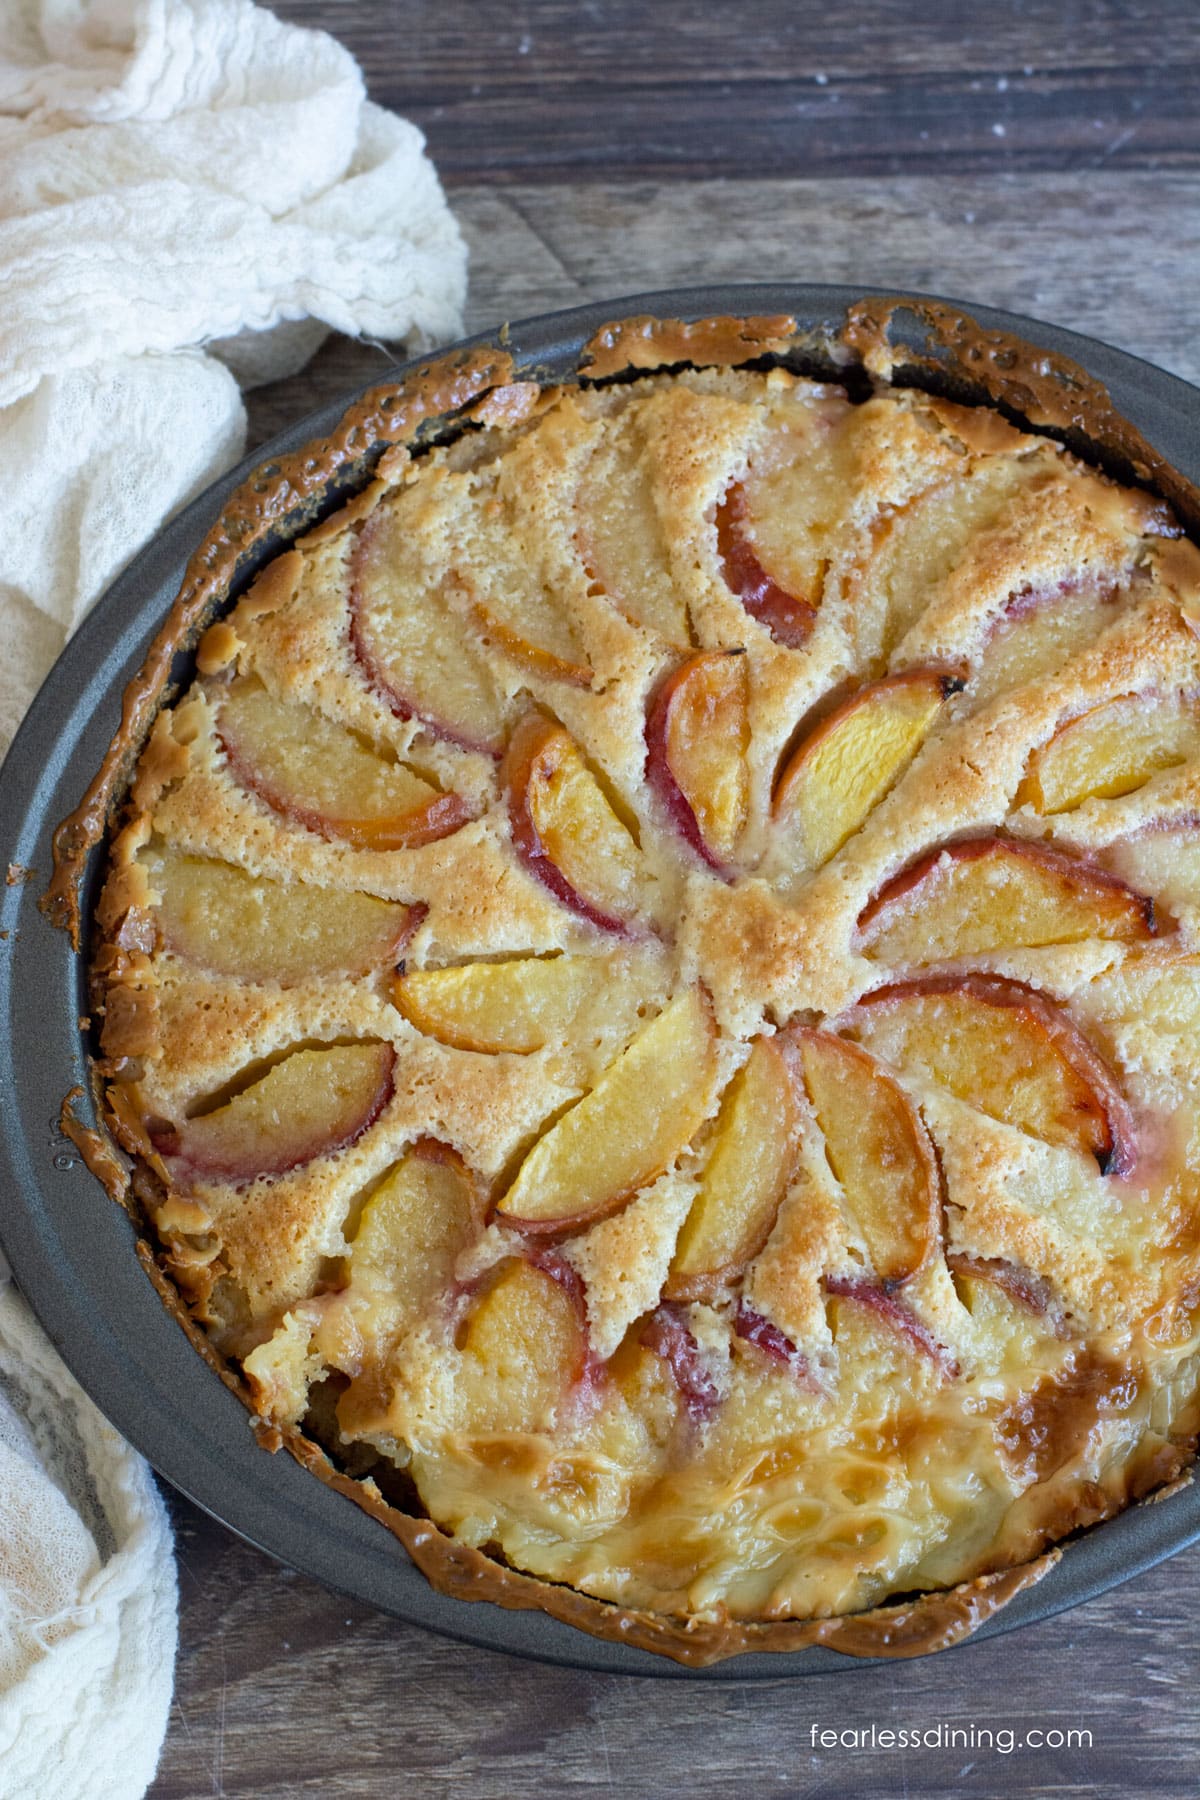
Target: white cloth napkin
x,y
87,1586
191,194
190,191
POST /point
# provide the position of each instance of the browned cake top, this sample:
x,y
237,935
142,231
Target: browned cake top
x,y
655,973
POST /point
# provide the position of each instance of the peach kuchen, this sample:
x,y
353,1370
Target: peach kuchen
x,y
651,983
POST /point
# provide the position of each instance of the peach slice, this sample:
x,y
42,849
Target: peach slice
x,y
667,1335
755,1328
412,1230
1110,750
841,770
517,600
697,734
565,828
879,1151
895,1315
1025,1289
640,1378
632,1125
313,1103
518,1006
1161,854
524,1345
993,893
512,631
788,617
619,537
412,647
1006,1049
223,919
399,1274
319,775
744,1180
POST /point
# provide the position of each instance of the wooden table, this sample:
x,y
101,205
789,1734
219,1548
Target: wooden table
x,y
1043,157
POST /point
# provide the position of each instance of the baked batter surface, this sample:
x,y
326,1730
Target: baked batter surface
x,y
653,980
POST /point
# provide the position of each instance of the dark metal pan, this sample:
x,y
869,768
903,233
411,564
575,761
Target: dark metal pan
x,y
73,1250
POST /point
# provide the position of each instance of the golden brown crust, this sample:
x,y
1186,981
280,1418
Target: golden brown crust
x,y
647,343
96,1151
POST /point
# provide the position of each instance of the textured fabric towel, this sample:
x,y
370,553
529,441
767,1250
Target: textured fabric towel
x,y
191,194
87,1586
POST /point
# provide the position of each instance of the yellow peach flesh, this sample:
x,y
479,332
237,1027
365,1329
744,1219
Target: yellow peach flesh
x,y
631,1126
595,863
705,741
845,767
518,1006
312,1103
1110,750
878,1150
1015,1058
745,1176
230,922
326,778
990,894
523,1346
412,1229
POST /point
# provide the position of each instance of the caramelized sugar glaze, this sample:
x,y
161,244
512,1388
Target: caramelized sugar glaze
x,y
651,988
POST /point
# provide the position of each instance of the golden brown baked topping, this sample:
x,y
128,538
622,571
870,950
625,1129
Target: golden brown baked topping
x,y
653,982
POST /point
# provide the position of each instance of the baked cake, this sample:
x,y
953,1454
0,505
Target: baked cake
x,y
652,982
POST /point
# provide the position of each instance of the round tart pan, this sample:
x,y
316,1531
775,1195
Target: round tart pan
x,y
73,1250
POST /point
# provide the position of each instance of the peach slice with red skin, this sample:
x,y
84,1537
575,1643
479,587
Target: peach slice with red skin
x,y
231,922
1005,1048
1031,1292
321,776
1110,750
991,893
565,829
878,1149
755,1328
666,1334
591,1372
312,1103
517,1006
744,1178
644,1110
697,734
841,770
788,617
524,1345
895,1315
412,647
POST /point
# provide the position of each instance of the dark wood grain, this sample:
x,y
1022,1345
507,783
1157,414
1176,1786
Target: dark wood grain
x,y
592,150
284,1689
539,90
